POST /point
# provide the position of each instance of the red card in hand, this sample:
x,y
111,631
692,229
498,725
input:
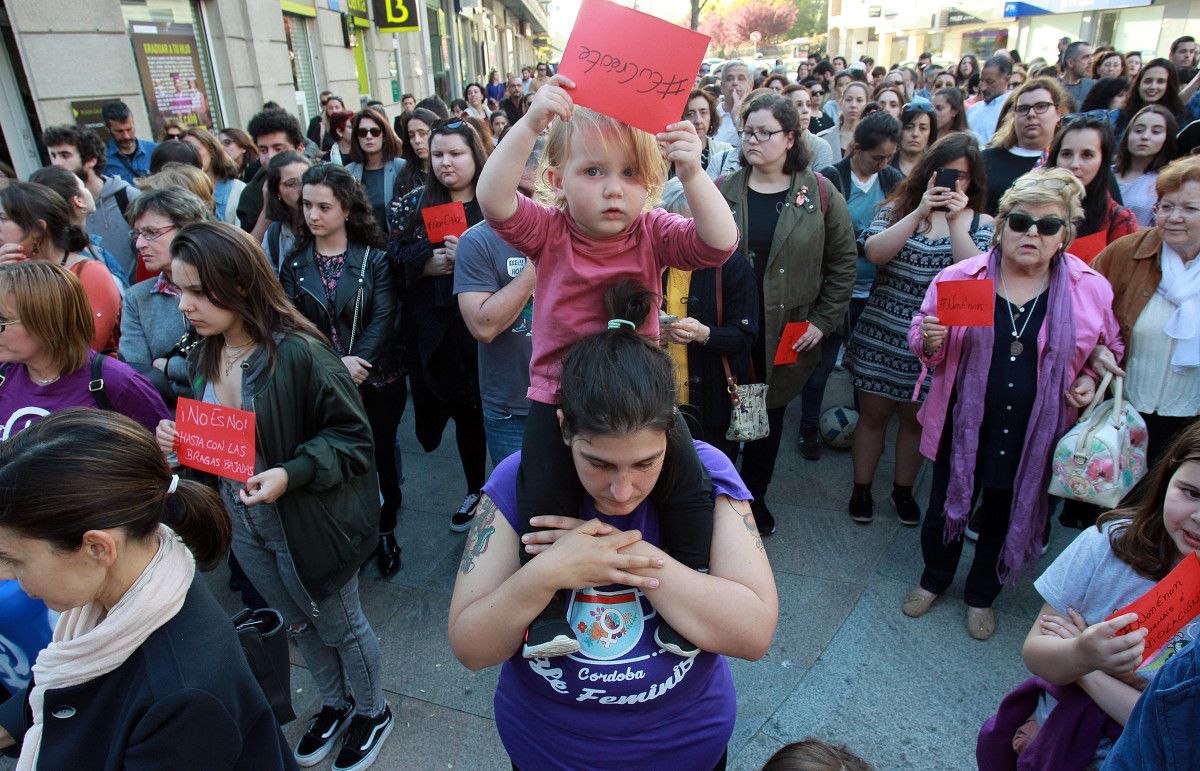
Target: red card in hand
x,y
791,333
449,219
215,438
1168,607
968,303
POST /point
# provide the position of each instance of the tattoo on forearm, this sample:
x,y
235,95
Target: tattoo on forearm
x,y
742,509
480,535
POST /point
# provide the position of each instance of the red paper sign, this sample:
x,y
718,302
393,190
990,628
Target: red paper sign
x,y
449,219
1168,607
792,332
969,303
631,66
216,439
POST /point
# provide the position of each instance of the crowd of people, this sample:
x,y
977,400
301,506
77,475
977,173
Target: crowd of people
x,y
690,285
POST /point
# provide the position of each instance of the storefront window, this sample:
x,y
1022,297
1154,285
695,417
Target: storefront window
x,y
173,62
295,29
985,42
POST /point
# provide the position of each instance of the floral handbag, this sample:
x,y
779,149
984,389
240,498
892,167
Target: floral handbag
x,y
748,413
1104,455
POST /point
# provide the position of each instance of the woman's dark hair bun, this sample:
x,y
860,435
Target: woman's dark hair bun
x,y
630,301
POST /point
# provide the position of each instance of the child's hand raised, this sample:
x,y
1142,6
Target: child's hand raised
x,y
550,101
682,146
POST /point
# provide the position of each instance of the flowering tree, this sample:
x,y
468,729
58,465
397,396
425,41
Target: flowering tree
x,y
771,18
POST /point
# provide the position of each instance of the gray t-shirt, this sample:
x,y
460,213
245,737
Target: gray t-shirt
x,y
485,262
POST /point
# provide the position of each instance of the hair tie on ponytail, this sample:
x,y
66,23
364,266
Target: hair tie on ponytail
x,y
618,323
171,488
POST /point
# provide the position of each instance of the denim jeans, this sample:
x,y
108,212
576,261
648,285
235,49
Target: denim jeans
x,y
504,432
334,636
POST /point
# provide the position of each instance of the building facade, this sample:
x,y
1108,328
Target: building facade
x,y
214,63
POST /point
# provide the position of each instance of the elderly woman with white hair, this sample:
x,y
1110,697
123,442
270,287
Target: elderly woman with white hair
x,y
1004,394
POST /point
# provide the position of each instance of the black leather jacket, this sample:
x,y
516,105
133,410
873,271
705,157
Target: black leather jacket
x,y
365,305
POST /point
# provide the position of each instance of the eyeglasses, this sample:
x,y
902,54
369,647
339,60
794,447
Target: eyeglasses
x,y
817,91
227,142
370,132
759,135
1020,222
150,234
1166,210
1049,183
1070,118
1038,108
5,322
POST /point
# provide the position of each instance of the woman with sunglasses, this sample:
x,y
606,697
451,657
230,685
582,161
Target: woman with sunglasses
x,y
441,355
918,130
1155,83
415,127
1084,147
1002,395
375,159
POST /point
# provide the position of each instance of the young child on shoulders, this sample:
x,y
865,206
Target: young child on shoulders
x,y
605,177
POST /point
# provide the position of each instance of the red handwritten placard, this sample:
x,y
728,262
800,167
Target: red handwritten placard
x,y
216,439
969,303
1168,607
449,219
631,66
792,332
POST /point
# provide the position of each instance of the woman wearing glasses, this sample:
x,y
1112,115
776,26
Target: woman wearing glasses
x,y
375,159
1023,134
918,130
1002,395
152,328
797,232
1156,293
1084,147
282,203
440,352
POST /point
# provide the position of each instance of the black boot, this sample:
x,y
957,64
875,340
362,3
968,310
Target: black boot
x,y
388,555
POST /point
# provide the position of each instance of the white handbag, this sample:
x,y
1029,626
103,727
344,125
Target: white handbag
x,y
1104,455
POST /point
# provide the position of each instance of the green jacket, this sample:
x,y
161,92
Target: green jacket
x,y
809,273
309,420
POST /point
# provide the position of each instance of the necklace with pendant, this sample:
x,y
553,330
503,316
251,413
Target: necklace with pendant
x,y
1015,348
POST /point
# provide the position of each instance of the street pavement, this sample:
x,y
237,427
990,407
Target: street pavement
x,y
845,665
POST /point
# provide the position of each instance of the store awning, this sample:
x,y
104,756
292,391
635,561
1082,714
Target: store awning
x,y
1016,9
531,11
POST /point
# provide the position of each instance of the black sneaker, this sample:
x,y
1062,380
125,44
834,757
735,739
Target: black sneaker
x,y
810,442
862,506
673,642
364,740
763,517
461,521
907,510
547,636
323,730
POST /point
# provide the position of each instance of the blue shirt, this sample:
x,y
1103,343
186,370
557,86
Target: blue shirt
x,y
862,205
129,167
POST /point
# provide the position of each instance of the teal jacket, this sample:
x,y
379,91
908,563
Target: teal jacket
x,y
309,420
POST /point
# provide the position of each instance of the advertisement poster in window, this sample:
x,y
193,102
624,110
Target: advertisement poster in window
x,y
168,62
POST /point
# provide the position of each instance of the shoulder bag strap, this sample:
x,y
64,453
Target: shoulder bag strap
x,y
730,381
96,385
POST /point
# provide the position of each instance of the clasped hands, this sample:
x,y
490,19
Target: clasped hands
x,y
579,554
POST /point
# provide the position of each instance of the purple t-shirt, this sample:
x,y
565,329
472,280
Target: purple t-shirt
x,y
620,702
23,402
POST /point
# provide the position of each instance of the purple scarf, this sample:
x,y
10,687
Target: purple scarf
x,y
1047,423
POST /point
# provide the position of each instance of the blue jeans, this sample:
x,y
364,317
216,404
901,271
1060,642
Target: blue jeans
x,y
334,636
504,432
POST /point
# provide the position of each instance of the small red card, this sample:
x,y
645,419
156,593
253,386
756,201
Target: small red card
x,y
969,303
214,438
1168,607
449,219
631,66
792,332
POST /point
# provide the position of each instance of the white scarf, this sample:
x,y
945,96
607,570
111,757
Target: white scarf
x,y
87,643
1181,286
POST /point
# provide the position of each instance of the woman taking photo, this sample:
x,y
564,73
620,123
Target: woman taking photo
x,y
1156,83
942,226
339,277
949,111
1003,395
416,125
1147,147
133,605
917,132
841,136
1154,290
798,235
441,355
307,519
375,160
819,151
285,173
1083,146
616,423
35,224
153,331
45,363
241,150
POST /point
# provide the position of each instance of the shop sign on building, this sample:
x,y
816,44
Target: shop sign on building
x,y
397,16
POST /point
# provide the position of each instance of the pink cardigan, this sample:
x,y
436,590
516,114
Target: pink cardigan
x,y
1095,322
